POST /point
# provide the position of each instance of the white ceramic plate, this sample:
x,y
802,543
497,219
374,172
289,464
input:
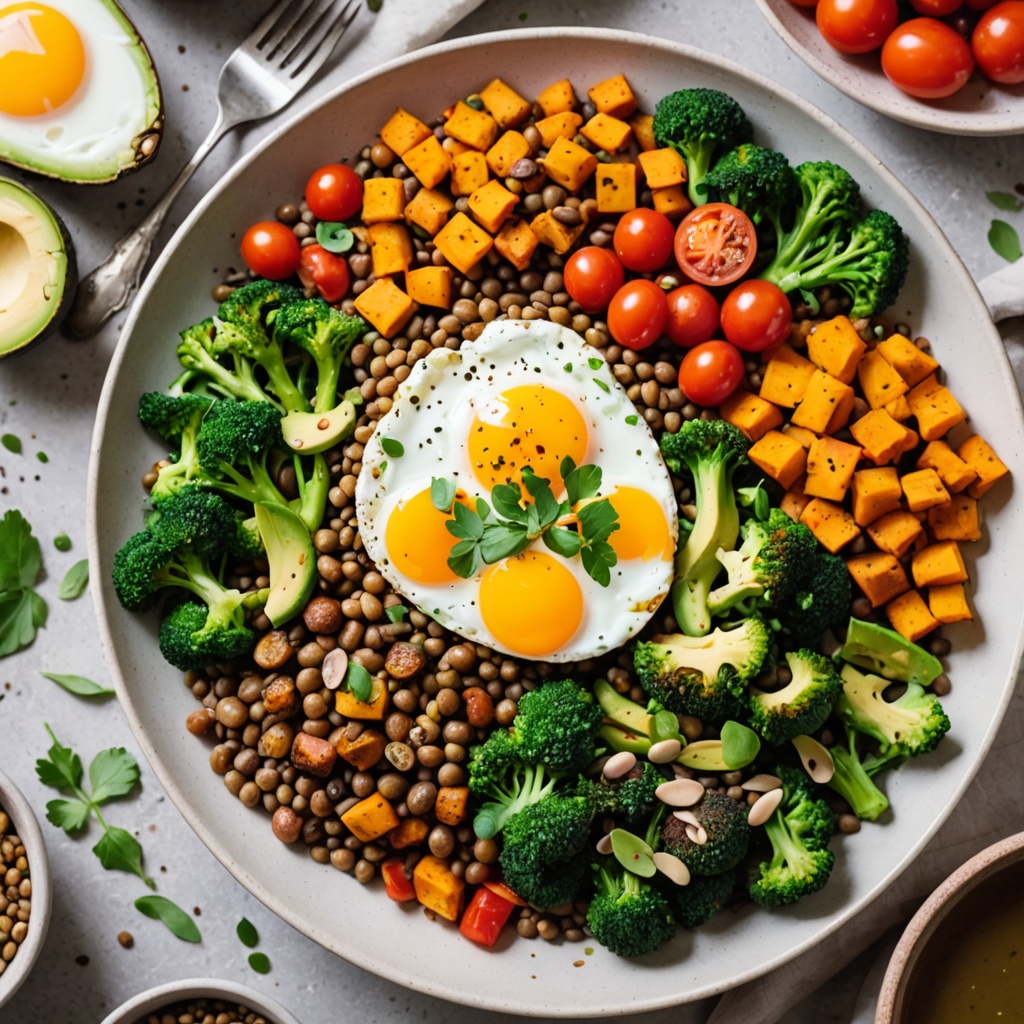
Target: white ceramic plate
x,y
979,108
359,923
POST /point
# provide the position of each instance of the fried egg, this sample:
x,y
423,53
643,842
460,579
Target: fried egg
x,y
524,394
79,98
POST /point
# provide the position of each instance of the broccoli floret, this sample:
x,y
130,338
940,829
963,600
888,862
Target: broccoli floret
x,y
703,676
700,124
252,304
854,778
327,334
172,416
821,603
910,725
799,831
772,562
556,725
628,915
757,180
711,450
541,844
191,636
728,835
705,896
629,799
802,705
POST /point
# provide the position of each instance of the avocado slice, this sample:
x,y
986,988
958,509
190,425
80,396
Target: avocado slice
x,y
888,654
37,268
291,557
312,432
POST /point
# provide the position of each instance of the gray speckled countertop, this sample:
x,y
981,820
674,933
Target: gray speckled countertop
x,y
83,972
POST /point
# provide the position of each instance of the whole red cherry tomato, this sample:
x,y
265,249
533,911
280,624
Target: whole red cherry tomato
x,y
643,240
979,5
592,275
756,315
334,192
327,272
271,250
715,244
998,42
935,8
637,314
856,26
692,315
711,372
927,58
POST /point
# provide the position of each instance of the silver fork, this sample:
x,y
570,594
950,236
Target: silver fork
x,y
271,66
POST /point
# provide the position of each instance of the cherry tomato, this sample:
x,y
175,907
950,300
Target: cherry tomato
x,y
271,250
715,244
927,58
998,43
756,315
637,314
711,372
643,240
592,275
979,5
935,8
856,26
692,315
329,273
334,192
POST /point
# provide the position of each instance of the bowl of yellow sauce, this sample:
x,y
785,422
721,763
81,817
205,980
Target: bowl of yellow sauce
x,y
961,958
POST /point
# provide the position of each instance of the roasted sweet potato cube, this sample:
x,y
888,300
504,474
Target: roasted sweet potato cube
x,y
957,519
643,131
475,128
373,710
833,526
429,162
383,199
437,888
780,456
794,501
430,286
613,96
879,381
569,164
948,603
429,210
563,125
557,98
491,204
607,132
880,576
826,398
954,473
370,818
910,616
938,564
830,468
662,167
516,241
313,754
554,233
673,201
896,532
935,408
463,243
981,457
616,188
403,131
923,489
836,348
875,492
509,147
910,362
364,751
751,413
881,437
469,172
390,248
786,377
504,104
385,306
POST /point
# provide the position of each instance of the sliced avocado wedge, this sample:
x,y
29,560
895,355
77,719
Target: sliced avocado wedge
x,y
291,557
37,268
622,711
313,432
884,651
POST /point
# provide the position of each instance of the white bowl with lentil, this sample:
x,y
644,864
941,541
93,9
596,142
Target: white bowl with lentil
x,y
939,300
201,1001
24,889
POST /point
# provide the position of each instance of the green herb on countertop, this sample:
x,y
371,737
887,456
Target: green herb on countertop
x,y
113,773
62,542
375,5
247,933
1004,239
78,685
22,610
1005,201
178,923
12,443
75,581
42,457
259,962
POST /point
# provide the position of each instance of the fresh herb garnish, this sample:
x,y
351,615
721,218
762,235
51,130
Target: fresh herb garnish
x,y
22,610
580,525
62,542
247,933
113,773
1005,240
178,923
78,685
42,457
12,443
259,962
1005,201
391,446
358,682
632,419
396,612
75,581
595,362
334,236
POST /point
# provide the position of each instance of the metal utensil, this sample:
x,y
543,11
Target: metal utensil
x,y
270,67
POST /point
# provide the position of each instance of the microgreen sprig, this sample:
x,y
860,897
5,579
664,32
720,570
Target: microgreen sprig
x,y
579,525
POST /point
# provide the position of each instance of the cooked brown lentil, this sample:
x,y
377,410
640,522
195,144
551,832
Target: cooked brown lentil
x,y
15,892
204,1010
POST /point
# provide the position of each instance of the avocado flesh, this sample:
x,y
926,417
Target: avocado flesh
x,y
36,268
292,560
312,432
885,652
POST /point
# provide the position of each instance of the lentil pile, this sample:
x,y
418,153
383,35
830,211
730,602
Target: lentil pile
x,y
204,1011
16,894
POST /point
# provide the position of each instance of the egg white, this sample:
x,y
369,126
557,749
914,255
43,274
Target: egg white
x,y
430,419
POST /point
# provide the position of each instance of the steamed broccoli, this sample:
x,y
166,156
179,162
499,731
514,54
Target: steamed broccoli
x,y
711,450
705,896
628,799
728,835
700,124
774,559
854,778
193,635
757,180
703,676
802,705
821,603
910,725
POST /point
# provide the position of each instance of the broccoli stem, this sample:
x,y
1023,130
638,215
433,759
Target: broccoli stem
x,y
699,158
853,782
190,572
313,492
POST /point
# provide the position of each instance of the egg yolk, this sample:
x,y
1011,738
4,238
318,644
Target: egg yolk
x,y
417,540
42,59
530,425
531,604
643,530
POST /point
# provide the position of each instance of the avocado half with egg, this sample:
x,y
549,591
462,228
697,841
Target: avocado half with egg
x,y
79,95
37,268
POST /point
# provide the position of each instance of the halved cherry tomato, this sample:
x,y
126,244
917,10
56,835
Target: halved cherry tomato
x,y
637,314
396,885
592,275
327,272
927,58
692,315
643,240
998,42
485,916
711,372
756,315
856,26
715,244
334,192
271,250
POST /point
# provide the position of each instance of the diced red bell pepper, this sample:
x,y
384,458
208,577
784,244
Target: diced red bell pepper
x,y
485,916
501,889
396,885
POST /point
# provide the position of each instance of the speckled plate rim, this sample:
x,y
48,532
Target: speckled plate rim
x,y
868,85
518,996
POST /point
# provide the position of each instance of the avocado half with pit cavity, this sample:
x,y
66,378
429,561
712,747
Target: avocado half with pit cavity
x,y
37,268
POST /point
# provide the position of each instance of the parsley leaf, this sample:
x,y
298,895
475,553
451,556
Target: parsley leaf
x,y
393,447
396,612
1005,201
180,924
112,773
78,685
503,540
562,541
20,555
75,581
259,962
22,612
247,933
442,493
359,682
70,815
1005,240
